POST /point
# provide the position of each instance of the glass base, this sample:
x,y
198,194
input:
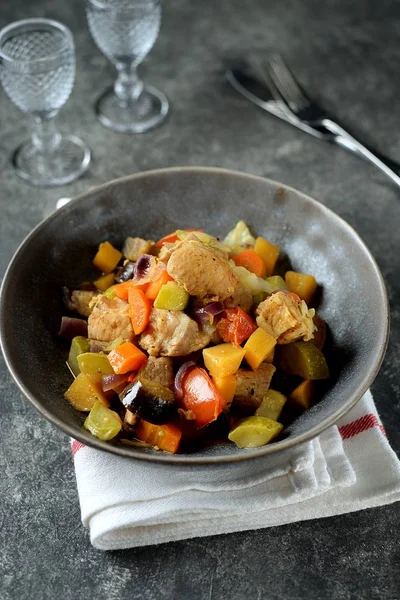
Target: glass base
x,y
66,163
148,111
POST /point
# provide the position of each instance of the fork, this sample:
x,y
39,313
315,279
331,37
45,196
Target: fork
x,y
285,88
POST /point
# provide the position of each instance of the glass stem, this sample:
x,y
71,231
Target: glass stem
x,y
128,86
45,137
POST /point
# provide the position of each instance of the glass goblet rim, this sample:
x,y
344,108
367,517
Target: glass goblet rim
x,y
30,25
103,5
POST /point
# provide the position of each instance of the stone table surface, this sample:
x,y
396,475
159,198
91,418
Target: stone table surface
x,y
349,55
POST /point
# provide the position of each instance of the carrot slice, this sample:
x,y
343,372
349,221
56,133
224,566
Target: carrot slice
x,y
139,309
126,357
171,238
121,290
155,286
251,261
165,437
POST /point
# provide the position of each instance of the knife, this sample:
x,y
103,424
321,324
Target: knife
x,y
248,85
257,92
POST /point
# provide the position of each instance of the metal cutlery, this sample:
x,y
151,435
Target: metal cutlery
x,y
310,113
253,81
256,91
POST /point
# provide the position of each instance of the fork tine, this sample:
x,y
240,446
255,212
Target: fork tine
x,y
265,74
286,83
287,78
281,84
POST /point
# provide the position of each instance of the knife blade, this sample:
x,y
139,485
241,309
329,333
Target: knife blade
x,y
257,92
244,81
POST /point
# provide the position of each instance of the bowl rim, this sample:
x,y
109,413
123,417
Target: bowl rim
x,y
188,460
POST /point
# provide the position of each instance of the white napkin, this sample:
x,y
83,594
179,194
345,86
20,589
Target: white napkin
x,y
127,503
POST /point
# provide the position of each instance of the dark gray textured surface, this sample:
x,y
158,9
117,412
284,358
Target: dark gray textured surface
x,y
350,54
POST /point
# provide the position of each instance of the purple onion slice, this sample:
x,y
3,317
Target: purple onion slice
x,y
206,314
182,371
95,348
71,327
147,269
110,382
143,266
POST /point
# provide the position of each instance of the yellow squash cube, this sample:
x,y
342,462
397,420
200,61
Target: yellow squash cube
x,y
171,297
104,282
271,406
110,292
79,345
227,387
102,422
277,282
302,284
94,363
304,394
84,392
107,257
302,359
223,360
253,432
258,347
269,252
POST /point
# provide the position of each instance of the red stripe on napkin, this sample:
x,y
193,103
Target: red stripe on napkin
x,y
366,422
76,446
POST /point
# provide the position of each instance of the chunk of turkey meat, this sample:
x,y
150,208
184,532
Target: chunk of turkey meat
x,y
172,333
81,301
286,317
134,247
160,370
242,297
202,270
251,386
109,320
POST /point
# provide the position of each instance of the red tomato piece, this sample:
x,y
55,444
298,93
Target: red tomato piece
x,y
236,326
201,397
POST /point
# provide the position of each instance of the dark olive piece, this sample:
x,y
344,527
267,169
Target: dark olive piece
x,y
124,273
149,400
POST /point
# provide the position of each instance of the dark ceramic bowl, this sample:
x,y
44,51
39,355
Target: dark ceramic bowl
x,y
60,251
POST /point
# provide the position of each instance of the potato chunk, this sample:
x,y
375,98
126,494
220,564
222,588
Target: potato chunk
x,y
302,284
84,392
134,247
223,360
